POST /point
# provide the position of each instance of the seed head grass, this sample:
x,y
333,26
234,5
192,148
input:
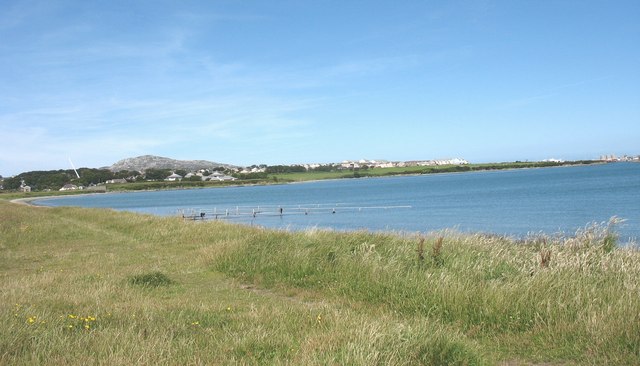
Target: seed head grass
x,y
89,286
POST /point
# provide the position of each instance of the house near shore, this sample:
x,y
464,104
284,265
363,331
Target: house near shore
x,y
173,177
69,187
116,181
24,188
252,170
217,176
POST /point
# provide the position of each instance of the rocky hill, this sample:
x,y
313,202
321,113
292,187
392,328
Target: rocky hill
x,y
144,162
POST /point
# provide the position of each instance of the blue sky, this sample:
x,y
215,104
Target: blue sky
x,y
279,82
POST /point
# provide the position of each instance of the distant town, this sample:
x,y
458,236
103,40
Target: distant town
x,y
363,164
613,158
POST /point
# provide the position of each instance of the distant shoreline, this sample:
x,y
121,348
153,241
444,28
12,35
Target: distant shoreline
x,y
354,187
29,200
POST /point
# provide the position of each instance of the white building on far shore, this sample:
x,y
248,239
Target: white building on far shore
x,y
173,177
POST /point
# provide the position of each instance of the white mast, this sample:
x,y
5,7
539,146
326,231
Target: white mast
x,y
74,168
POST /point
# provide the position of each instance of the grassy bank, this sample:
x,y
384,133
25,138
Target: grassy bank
x,y
86,286
411,170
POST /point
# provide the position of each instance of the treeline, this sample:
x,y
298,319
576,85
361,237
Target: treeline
x,y
359,173
56,179
158,185
499,166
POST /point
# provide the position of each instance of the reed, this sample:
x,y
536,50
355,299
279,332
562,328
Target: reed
x,y
420,251
545,254
436,253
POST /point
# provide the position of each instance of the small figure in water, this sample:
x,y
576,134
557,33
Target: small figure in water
x,y
202,215
280,211
333,211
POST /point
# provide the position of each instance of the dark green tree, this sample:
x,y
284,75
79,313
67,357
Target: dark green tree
x,y
156,174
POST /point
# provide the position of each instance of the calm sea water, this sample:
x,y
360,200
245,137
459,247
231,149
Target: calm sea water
x,y
510,202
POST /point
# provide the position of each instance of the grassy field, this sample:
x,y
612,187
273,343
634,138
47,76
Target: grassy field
x,y
434,169
89,286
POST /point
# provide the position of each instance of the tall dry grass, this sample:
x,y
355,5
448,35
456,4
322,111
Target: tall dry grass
x,y
84,286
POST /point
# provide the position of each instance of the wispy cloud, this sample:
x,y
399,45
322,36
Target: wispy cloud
x,y
16,13
105,131
525,101
98,93
241,110
36,148
365,67
549,93
191,17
